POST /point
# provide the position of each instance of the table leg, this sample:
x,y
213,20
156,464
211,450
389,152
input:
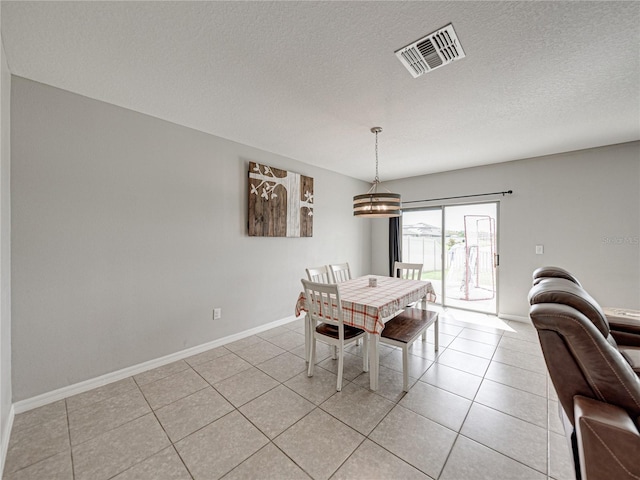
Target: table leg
x,y
424,307
307,337
374,361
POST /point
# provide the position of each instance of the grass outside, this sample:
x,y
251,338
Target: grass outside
x,y
432,275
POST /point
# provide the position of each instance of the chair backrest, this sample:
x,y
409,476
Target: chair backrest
x,y
409,271
580,357
320,274
323,302
541,273
341,272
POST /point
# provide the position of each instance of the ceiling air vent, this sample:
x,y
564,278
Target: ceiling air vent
x,y
433,51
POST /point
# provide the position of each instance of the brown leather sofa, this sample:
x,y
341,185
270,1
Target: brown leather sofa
x,y
624,327
597,387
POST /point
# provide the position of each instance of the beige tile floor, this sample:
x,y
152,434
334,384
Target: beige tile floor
x,y
480,408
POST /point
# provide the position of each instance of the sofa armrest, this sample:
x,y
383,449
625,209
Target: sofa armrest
x,y
624,325
608,441
625,339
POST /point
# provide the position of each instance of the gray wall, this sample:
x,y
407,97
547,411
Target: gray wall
x,y
128,231
583,206
5,248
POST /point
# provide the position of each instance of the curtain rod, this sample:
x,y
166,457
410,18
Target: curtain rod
x,y
508,192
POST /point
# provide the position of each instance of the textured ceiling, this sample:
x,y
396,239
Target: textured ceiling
x,y
308,80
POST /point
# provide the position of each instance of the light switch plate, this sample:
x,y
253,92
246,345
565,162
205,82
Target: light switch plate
x,y
539,249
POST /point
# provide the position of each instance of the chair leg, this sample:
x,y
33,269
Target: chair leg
x,y
312,357
405,368
340,367
334,353
423,306
435,331
307,337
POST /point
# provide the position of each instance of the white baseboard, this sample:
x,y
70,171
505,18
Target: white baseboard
x,y
516,318
6,435
64,392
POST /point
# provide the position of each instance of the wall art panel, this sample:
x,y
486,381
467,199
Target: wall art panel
x,y
280,203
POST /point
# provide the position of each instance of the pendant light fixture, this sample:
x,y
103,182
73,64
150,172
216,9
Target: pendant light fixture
x,y
373,204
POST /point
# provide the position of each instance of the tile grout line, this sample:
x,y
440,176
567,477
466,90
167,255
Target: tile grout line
x,y
459,433
396,404
319,407
66,411
172,445
152,411
237,409
509,386
473,400
366,437
513,416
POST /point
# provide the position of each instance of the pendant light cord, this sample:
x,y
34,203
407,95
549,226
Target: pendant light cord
x,y
377,179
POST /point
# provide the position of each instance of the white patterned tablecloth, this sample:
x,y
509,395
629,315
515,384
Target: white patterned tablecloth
x,y
368,307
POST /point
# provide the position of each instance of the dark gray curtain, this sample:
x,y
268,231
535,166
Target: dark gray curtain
x,y
395,242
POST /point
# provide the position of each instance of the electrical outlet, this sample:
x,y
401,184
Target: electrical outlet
x,y
217,313
539,249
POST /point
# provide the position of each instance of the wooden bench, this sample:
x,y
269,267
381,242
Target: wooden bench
x,y
403,329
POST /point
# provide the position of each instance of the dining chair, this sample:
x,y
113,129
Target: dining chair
x,y
325,312
320,274
408,271
341,272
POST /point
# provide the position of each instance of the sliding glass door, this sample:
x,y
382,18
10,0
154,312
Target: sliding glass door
x,y
458,247
470,237
422,243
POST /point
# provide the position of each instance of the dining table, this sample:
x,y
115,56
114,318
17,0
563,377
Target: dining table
x,y
367,304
